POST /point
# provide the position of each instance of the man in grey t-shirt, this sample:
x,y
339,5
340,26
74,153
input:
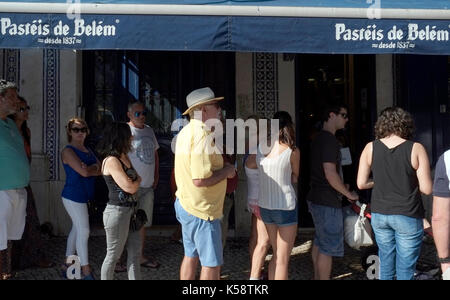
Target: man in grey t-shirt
x,y
145,160
324,197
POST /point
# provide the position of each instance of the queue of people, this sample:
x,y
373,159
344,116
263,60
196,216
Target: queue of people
x,y
394,167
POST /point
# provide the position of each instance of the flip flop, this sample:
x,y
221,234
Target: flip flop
x,y
150,263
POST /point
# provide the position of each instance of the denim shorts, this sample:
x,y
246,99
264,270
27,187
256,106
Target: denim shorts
x,y
201,238
279,217
329,229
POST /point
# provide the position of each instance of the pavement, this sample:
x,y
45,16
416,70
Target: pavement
x,y
236,259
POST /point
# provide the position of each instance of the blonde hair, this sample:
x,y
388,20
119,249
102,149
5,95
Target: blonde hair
x,y
70,124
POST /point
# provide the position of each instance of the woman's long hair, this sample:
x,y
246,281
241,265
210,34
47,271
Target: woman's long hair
x,y
116,140
286,129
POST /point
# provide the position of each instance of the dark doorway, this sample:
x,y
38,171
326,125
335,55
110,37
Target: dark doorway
x,y
111,79
423,89
323,79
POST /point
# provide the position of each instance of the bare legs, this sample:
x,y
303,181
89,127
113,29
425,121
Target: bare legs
x,y
258,246
282,240
189,267
322,264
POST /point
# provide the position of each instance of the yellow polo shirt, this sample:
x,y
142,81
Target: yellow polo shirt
x,y
193,161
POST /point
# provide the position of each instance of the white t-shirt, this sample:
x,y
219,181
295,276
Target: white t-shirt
x,y
142,155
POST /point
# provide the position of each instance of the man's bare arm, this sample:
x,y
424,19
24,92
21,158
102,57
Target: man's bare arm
x,y
217,176
336,182
441,227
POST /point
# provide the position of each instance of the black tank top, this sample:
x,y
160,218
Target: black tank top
x,y
396,188
116,195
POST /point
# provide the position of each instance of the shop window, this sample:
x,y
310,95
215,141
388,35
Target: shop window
x,y
161,80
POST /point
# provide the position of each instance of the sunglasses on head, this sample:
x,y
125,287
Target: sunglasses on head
x,y
77,130
137,114
22,109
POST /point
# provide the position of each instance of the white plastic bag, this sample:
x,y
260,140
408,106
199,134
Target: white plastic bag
x,y
357,229
446,275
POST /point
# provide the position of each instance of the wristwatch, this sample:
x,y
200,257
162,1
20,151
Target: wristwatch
x,y
444,260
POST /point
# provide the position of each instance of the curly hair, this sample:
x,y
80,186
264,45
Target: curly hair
x,y
394,120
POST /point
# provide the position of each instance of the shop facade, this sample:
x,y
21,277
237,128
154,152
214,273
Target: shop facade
x,y
365,63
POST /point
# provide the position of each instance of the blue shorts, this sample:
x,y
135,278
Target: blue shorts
x,y
201,238
279,217
329,229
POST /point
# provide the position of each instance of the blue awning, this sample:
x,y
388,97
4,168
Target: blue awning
x,y
288,26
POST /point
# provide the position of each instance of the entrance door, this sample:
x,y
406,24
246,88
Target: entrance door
x,y
161,80
325,79
423,89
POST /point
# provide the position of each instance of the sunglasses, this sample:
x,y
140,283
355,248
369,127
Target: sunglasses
x,y
78,130
137,114
22,109
344,115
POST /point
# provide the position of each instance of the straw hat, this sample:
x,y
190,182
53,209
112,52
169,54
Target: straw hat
x,y
200,97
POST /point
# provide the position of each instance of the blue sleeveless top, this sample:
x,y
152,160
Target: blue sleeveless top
x,y
78,188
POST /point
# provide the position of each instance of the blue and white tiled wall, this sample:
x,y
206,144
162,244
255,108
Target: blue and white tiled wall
x,y
265,84
10,69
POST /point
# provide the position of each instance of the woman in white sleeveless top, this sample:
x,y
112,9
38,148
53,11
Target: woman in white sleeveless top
x,y
278,171
259,239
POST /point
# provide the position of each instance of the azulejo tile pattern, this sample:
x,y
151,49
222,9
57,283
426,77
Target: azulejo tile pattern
x,y
51,100
11,66
265,84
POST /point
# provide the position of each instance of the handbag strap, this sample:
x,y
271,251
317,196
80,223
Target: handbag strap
x,y
363,209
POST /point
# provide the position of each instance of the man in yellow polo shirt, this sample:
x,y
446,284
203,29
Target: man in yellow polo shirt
x,y
201,176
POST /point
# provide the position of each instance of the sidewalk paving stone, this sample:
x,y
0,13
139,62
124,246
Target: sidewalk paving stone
x,y
236,260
